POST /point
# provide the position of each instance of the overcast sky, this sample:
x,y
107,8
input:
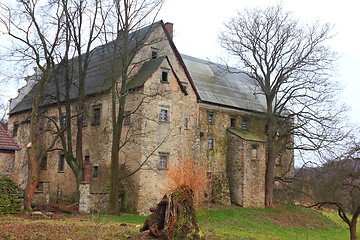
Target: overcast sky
x,y
197,24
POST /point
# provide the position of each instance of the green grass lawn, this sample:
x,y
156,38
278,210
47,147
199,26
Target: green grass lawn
x,y
287,222
217,222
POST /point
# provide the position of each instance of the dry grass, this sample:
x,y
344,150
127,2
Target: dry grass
x,y
187,174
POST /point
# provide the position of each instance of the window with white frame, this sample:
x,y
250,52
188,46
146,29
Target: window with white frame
x,y
163,160
164,114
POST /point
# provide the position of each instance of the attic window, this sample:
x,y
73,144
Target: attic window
x,y
165,75
154,53
185,87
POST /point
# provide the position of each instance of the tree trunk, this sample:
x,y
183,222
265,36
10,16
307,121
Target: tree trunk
x,y
271,156
32,178
353,235
33,168
174,217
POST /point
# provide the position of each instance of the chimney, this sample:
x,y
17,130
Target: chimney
x,y
169,28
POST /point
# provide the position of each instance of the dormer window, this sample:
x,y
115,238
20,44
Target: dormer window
x,y
154,53
164,75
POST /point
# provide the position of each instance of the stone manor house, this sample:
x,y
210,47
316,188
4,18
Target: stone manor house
x,y
203,113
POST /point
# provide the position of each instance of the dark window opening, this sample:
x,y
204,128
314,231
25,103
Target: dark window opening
x,y
185,87
211,118
208,175
15,129
96,116
61,164
43,163
95,171
165,76
87,159
232,122
163,160
154,53
266,129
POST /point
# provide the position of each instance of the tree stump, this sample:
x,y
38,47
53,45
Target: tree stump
x,y
174,217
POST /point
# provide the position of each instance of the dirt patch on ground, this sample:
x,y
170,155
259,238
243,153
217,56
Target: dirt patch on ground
x,y
298,218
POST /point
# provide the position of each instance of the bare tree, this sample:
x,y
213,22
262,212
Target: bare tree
x,y
38,44
290,63
123,18
337,183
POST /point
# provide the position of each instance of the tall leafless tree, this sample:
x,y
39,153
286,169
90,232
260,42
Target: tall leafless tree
x,y
38,44
123,18
290,62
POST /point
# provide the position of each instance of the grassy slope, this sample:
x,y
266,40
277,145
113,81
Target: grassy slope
x,y
288,222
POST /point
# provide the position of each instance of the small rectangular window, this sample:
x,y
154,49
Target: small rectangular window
x,y
186,122
127,118
43,163
211,118
164,115
87,159
184,86
232,121
154,53
165,76
15,129
61,164
96,115
163,160
211,143
84,119
95,171
64,121
208,175
245,124
254,152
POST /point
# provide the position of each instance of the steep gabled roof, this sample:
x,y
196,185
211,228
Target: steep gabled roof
x,y
6,142
99,73
216,85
